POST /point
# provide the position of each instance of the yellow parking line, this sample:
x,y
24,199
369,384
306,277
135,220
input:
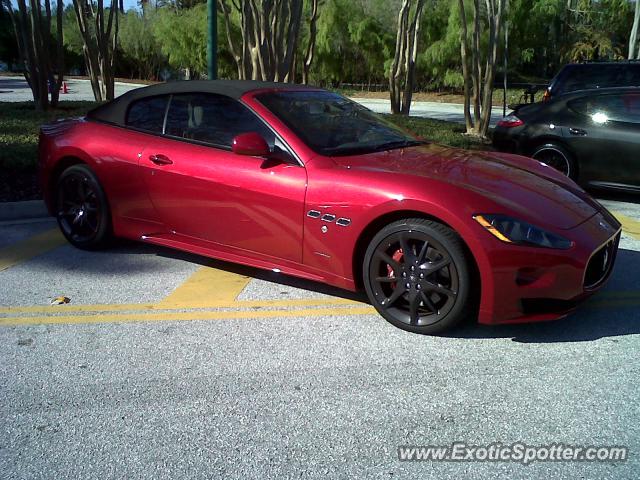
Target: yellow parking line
x,y
207,285
629,225
138,307
29,248
183,316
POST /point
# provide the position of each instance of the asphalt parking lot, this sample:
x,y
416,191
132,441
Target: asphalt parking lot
x,y
167,365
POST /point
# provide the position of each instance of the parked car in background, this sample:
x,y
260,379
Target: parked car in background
x,y
592,136
587,76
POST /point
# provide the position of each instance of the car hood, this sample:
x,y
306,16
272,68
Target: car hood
x,y
524,186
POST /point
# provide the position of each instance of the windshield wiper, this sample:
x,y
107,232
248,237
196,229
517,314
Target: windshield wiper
x,y
365,148
398,144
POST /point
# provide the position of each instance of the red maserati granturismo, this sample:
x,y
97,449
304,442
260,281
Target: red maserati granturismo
x,y
305,182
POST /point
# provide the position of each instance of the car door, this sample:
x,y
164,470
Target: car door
x,y
119,161
605,137
201,189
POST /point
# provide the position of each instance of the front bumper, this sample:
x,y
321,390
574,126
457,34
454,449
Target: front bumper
x,y
537,284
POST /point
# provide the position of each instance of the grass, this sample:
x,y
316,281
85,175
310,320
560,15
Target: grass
x,y
438,131
19,126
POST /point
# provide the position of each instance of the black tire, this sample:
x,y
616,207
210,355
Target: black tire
x,y
82,209
432,288
558,157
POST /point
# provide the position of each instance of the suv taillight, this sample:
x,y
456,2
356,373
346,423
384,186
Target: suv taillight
x,y
547,95
510,121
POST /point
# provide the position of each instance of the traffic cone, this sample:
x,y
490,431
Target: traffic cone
x,y
64,87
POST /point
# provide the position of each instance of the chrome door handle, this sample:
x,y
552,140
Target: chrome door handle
x,y
160,159
577,131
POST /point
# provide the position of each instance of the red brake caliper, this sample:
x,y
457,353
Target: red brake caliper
x,y
397,256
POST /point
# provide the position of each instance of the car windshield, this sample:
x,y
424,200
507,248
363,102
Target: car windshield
x,y
333,125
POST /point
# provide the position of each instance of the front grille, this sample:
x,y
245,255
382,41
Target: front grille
x,y
601,263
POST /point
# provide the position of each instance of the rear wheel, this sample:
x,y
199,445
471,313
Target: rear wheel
x,y
556,157
416,274
82,209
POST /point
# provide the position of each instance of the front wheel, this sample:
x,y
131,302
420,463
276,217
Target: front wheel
x,y
416,274
82,209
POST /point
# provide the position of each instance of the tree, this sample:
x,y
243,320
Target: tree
x,y
633,38
139,46
270,31
311,43
478,64
594,29
99,44
182,35
8,45
439,63
43,64
402,75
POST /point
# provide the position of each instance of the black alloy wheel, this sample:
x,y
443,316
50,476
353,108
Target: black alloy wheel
x,y
416,275
82,210
556,157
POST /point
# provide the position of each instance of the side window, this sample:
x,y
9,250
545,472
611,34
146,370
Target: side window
x,y
585,77
148,114
214,119
624,107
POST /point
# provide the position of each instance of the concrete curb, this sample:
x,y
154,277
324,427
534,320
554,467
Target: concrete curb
x,y
23,210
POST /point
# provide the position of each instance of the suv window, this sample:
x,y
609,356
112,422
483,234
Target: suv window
x,y
588,76
213,119
620,107
148,114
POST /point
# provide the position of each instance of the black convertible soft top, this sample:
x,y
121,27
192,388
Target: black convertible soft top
x,y
115,111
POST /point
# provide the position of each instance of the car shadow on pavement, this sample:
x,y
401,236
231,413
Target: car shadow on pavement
x,y
613,312
260,274
591,321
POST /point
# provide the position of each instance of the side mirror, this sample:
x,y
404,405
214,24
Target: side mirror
x,y
251,144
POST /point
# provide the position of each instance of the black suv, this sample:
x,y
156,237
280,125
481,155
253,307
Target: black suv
x,y
586,76
592,136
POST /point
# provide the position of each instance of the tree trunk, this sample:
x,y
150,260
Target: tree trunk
x,y
270,32
634,48
313,30
411,57
477,67
398,57
482,78
233,48
465,67
402,74
33,37
59,60
99,44
495,9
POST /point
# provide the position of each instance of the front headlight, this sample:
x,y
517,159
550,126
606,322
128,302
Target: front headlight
x,y
510,230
